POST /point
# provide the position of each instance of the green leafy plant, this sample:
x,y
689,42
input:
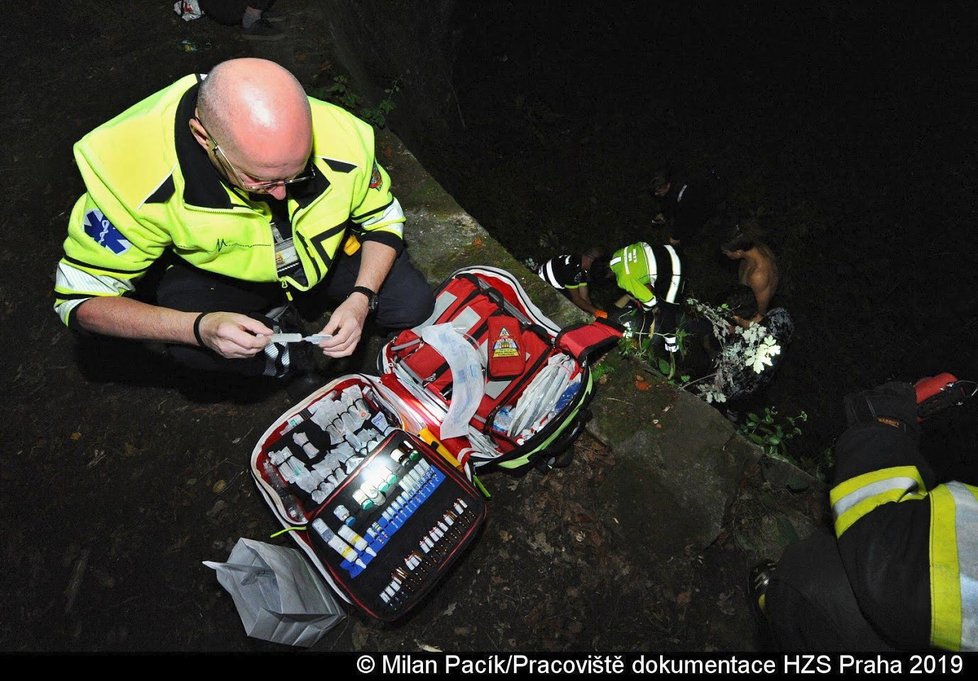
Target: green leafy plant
x,y
601,369
340,93
772,431
640,347
822,466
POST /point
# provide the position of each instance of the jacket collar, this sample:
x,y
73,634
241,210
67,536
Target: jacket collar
x,y
203,185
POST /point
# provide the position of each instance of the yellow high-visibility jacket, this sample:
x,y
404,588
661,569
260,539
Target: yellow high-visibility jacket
x,y
150,187
648,273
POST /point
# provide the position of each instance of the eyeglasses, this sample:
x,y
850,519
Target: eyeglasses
x,y
238,176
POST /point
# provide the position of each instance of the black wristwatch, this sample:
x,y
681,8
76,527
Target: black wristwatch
x,y
371,296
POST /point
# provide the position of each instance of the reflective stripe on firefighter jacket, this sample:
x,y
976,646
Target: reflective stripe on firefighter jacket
x,y
950,521
563,272
150,187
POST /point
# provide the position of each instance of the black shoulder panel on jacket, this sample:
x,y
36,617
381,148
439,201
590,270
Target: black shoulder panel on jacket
x,y
163,192
338,166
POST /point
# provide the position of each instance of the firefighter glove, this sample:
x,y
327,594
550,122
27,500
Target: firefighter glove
x,y
893,404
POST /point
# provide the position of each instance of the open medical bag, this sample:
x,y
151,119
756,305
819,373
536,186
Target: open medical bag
x,y
523,419
379,512
364,477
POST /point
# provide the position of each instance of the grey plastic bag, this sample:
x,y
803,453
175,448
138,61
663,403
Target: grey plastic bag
x,y
278,595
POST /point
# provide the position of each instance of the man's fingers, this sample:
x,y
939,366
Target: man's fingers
x,y
253,326
340,347
238,336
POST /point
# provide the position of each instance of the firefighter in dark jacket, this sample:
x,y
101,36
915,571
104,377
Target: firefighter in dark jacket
x,y
569,275
686,205
901,572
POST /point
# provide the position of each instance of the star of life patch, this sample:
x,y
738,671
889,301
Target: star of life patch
x,y
104,232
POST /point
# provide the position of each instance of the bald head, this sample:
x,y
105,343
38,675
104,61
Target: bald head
x,y
259,114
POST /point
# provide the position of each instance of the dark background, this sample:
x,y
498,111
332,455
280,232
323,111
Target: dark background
x,y
845,133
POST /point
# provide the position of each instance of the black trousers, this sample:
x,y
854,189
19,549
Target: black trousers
x,y
405,300
811,606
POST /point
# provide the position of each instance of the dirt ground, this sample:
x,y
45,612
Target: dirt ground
x,y
120,478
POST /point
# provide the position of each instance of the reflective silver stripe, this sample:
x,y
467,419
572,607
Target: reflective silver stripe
x,y
626,256
443,301
651,266
64,309
276,360
69,278
650,263
966,531
548,275
392,219
677,272
679,197
866,491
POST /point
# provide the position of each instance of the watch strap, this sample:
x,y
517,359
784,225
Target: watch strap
x,y
371,295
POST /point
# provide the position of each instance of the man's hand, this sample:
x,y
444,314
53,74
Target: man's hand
x,y
738,321
233,335
346,326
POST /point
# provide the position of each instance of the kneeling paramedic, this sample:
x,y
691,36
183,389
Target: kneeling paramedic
x,y
248,192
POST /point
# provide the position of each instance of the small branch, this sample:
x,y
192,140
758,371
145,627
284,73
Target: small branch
x,y
703,378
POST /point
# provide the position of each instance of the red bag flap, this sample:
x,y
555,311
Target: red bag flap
x,y
582,340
